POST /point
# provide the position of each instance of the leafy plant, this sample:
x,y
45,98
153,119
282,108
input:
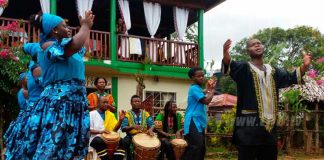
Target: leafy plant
x,y
12,62
227,85
147,61
224,125
12,59
294,99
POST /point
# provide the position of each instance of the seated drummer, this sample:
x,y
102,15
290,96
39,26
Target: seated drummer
x,y
103,121
169,125
136,120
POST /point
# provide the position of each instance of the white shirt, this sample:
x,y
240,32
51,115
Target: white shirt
x,y
96,123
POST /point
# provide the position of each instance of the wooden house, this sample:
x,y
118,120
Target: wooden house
x,y
159,61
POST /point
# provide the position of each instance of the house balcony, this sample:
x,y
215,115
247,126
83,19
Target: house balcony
x,y
130,48
157,51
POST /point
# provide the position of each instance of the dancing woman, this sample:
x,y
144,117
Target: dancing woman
x,y
58,127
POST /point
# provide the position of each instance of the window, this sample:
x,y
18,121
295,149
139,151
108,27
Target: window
x,y
159,99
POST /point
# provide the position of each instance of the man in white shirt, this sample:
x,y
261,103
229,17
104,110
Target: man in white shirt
x,y
103,121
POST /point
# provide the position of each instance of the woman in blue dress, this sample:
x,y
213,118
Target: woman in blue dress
x,y
22,96
58,127
33,77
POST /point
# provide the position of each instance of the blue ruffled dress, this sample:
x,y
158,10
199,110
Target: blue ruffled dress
x,y
59,127
15,125
14,133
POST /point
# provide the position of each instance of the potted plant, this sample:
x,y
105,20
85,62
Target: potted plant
x,y
147,63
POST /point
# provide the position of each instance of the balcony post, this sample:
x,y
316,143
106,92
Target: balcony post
x,y
53,7
114,92
113,35
201,37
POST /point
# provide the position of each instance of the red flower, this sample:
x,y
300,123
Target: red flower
x,y
312,73
3,3
4,53
13,57
13,26
320,60
320,82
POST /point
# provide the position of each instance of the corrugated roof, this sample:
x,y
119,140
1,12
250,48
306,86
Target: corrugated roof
x,y
223,100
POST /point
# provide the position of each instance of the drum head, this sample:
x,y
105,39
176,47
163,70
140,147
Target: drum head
x,y
111,135
179,142
146,141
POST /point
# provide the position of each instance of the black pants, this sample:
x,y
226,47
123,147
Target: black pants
x,y
166,148
196,144
261,152
101,148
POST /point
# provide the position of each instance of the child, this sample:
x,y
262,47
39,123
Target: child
x,y
196,114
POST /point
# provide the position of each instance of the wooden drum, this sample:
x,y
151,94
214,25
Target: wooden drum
x,y
179,146
146,147
112,140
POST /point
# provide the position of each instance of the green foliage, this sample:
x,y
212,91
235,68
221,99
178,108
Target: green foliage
x,y
10,68
224,125
284,48
192,33
294,99
227,85
12,62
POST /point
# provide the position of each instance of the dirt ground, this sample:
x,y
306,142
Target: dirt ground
x,y
211,156
280,158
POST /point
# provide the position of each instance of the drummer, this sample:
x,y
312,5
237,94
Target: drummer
x,y
169,125
103,121
136,121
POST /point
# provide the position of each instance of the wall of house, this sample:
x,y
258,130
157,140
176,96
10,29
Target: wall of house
x,y
127,88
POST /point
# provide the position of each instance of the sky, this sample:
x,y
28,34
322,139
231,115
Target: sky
x,y
237,19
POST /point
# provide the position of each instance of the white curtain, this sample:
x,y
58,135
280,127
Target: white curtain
x,y
180,25
152,12
84,5
124,8
180,21
45,4
1,10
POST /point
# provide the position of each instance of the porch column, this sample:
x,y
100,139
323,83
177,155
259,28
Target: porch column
x,y
114,92
53,7
201,37
113,35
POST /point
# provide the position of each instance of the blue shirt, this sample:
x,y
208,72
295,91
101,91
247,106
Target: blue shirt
x,y
21,99
34,86
55,66
195,110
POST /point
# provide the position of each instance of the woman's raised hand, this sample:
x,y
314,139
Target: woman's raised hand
x,y
87,20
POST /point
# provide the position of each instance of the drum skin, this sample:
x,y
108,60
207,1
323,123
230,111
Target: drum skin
x,y
146,147
179,146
